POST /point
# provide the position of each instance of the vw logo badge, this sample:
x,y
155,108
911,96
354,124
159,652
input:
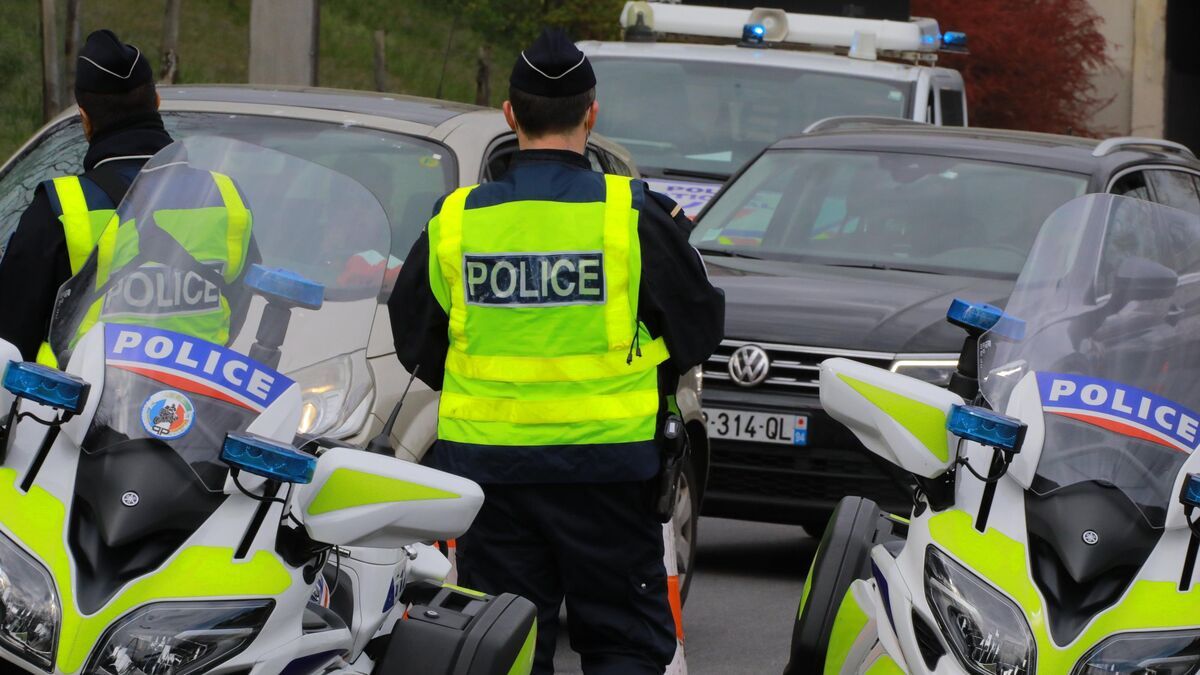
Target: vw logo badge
x,y
1090,537
749,365
130,499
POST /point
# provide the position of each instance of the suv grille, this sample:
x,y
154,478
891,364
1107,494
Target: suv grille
x,y
793,368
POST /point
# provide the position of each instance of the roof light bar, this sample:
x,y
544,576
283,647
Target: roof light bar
x,y
917,35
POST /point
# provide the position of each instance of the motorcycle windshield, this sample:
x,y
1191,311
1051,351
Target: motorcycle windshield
x,y
1110,344
227,269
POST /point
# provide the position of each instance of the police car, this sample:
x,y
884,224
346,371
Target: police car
x,y
693,113
408,151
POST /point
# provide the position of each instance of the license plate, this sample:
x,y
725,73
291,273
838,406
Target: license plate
x,y
757,427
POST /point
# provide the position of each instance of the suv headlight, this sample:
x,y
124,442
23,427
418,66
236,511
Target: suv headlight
x,y
1161,653
332,391
988,633
932,370
29,609
178,638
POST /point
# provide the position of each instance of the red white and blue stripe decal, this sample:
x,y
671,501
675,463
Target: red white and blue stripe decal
x,y
1120,408
190,364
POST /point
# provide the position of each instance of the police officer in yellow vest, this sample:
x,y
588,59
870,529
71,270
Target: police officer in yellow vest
x,y
118,106
555,309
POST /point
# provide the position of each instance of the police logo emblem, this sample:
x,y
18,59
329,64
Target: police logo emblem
x,y
168,415
534,279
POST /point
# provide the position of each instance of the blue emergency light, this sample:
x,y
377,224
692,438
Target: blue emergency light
x,y
754,34
984,317
1190,494
954,41
47,386
286,285
987,427
267,458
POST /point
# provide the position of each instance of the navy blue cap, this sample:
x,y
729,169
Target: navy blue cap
x,y
553,67
108,66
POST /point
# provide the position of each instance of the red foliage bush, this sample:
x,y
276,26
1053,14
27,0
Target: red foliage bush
x,y
1030,61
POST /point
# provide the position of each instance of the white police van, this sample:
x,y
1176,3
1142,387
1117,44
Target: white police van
x,y
696,92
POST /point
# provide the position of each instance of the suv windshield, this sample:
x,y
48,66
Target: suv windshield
x,y
886,210
706,119
1109,349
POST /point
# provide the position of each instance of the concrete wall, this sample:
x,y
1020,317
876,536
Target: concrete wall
x,y
283,41
1136,34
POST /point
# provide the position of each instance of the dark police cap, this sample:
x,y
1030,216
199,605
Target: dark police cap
x,y
553,67
108,66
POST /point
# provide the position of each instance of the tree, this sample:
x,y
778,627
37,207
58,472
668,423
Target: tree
x,y
516,23
1030,63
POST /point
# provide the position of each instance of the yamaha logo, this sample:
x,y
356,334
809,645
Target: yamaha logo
x,y
749,365
1090,537
130,498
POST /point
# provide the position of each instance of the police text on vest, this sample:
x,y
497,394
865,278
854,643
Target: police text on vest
x,y
539,279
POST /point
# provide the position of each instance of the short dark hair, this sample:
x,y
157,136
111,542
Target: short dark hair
x,y
109,110
541,115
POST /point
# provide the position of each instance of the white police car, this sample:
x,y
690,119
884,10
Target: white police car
x,y
692,114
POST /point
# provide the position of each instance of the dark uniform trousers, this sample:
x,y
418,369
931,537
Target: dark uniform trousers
x,y
528,537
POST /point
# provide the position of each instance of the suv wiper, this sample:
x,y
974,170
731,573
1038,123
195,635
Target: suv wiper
x,y
727,253
881,266
688,173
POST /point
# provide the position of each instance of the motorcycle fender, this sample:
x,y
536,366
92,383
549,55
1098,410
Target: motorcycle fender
x,y
899,418
893,608
853,634
362,499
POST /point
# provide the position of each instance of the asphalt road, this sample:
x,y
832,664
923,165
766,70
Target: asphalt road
x,y
738,618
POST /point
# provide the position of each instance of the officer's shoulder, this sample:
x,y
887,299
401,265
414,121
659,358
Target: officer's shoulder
x,y
659,201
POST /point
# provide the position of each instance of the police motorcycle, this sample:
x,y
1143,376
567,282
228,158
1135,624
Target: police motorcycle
x,y
158,515
1055,528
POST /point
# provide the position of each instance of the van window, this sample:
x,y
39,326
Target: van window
x,y
953,107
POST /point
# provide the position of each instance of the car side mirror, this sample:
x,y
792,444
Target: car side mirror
x,y
899,418
1141,279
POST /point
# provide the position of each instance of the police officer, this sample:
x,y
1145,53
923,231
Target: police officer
x,y
118,106
555,309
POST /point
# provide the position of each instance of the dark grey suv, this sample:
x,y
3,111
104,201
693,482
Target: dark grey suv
x,y
851,241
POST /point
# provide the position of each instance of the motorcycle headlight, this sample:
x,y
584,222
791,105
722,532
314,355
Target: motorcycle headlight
x,y
29,609
1160,653
934,371
988,633
178,638
332,391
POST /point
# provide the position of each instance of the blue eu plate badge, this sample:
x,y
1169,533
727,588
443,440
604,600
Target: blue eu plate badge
x,y
800,433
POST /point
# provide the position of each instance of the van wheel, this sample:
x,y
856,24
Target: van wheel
x,y
844,555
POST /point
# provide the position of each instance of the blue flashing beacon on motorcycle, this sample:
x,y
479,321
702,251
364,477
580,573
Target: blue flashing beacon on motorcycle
x,y
286,285
987,427
979,317
267,458
47,386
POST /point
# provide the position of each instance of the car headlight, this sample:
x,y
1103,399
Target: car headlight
x,y
934,371
988,633
29,609
178,638
332,391
1160,653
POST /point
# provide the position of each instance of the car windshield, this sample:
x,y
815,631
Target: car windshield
x,y
228,269
925,213
705,119
1109,351
406,174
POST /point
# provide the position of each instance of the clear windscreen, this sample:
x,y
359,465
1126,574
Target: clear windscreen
x,y
229,271
1110,344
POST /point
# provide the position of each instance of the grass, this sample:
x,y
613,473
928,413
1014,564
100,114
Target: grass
x,y
214,47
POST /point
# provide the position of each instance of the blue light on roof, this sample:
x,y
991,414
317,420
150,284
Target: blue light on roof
x,y
1190,495
987,427
267,458
754,33
929,38
277,283
954,41
48,386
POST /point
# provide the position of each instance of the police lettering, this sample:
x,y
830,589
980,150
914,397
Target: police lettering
x,y
161,290
542,279
177,351
1088,395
